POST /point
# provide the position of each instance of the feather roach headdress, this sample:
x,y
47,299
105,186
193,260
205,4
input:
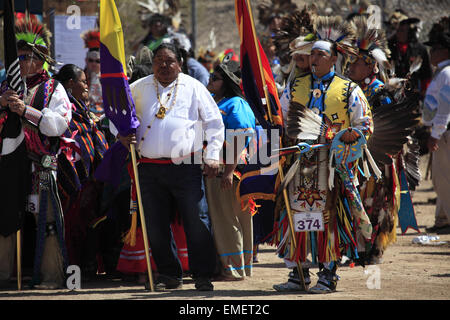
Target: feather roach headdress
x,y
267,10
335,36
91,39
295,36
294,31
336,31
33,34
371,44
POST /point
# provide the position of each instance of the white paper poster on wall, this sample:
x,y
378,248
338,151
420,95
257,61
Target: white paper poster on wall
x,y
69,47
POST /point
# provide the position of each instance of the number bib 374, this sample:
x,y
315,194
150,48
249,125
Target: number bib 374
x,y
308,221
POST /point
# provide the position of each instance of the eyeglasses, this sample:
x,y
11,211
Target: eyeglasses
x,y
94,60
214,77
25,57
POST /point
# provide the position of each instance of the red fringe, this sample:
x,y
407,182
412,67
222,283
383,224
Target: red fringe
x,y
322,245
33,142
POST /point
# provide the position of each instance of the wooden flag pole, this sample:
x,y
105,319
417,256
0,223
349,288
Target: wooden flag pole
x,y
19,260
280,169
142,217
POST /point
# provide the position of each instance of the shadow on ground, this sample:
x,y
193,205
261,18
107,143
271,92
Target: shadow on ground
x,y
139,293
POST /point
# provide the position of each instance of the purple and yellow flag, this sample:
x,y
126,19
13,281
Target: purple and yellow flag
x,y
117,100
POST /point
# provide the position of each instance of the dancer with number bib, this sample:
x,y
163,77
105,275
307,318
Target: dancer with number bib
x,y
321,190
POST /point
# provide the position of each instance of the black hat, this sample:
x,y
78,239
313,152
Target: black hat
x,y
441,38
440,33
399,17
409,21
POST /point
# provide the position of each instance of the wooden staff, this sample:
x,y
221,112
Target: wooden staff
x,y
19,260
141,215
280,169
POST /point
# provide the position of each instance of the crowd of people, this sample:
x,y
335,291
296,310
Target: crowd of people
x,y
361,107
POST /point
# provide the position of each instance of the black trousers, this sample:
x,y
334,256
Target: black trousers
x,y
169,187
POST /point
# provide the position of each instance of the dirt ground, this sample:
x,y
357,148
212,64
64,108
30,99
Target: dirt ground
x,y
409,272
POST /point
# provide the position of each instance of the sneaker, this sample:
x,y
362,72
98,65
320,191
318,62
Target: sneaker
x,y
203,284
327,282
294,275
294,283
165,283
321,288
48,286
289,286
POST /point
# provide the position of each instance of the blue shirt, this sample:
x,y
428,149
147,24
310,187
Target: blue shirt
x,y
238,118
318,83
198,71
372,88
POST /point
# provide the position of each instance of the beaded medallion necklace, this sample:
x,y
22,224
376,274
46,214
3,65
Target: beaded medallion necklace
x,y
163,109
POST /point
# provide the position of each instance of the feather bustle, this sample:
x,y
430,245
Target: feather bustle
x,y
303,123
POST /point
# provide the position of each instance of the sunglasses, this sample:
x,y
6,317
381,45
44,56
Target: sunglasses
x,y
94,60
215,77
25,57
353,58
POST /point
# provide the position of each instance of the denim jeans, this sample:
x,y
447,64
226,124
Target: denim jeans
x,y
165,189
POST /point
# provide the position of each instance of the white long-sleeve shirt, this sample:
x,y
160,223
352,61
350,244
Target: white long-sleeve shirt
x,y
194,117
437,101
359,112
52,121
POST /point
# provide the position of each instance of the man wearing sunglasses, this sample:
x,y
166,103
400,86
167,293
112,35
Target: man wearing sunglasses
x,y
368,68
32,123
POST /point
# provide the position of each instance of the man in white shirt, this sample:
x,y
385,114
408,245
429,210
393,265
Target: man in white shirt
x,y
437,115
176,113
